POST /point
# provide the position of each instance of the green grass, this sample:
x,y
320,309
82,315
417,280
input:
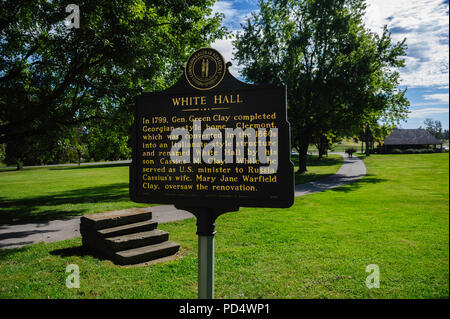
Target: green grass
x,y
339,147
317,169
42,194
57,192
396,217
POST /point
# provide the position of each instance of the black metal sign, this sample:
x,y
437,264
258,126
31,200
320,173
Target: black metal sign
x,y
212,141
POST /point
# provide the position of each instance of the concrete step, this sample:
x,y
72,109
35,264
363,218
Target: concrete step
x,y
115,218
127,229
136,240
146,253
97,245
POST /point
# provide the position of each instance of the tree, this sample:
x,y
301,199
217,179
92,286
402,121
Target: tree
x,y
339,75
445,135
53,78
2,152
324,141
433,127
108,142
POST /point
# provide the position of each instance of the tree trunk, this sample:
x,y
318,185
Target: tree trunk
x,y
19,165
322,146
367,138
303,150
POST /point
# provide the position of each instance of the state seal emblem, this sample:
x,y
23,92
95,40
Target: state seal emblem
x,y
205,69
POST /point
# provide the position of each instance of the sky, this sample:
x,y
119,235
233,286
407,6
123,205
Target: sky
x,y
424,24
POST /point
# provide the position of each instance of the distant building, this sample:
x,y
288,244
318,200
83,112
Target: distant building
x,y
410,139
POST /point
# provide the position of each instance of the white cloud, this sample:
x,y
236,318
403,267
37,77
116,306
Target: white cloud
x,y
440,97
423,22
233,16
425,25
422,113
225,46
233,19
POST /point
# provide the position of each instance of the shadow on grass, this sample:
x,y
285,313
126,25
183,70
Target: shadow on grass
x,y
302,178
78,251
4,253
70,251
312,160
355,185
13,211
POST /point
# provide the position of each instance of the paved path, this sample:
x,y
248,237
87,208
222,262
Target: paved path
x,y
352,169
14,236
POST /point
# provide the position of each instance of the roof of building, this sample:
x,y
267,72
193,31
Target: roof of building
x,y
410,137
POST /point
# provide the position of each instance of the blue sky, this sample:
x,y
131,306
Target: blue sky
x,y
425,24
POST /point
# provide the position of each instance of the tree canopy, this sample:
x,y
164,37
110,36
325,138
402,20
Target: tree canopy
x,y
53,78
340,76
434,127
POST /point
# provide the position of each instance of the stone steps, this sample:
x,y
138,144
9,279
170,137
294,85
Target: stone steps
x,y
116,218
137,255
136,240
126,237
124,229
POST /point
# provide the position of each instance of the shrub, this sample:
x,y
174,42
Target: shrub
x,y
396,151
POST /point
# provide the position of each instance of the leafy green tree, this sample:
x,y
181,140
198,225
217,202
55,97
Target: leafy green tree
x,y
433,127
339,75
324,141
2,152
107,142
445,135
53,78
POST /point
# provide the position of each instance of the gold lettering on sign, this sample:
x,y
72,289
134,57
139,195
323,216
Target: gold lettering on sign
x,y
189,100
227,99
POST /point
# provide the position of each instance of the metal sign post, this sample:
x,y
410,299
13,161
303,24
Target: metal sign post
x,y
206,267
206,229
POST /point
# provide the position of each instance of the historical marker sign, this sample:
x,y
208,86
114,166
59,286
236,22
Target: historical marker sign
x,y
212,141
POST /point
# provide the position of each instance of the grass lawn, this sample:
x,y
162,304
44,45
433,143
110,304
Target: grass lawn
x,y
317,169
396,217
56,192
340,147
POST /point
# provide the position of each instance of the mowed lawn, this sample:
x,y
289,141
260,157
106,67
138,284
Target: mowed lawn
x,y
396,217
57,192
317,169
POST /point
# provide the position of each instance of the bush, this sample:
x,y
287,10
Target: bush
x,y
414,151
